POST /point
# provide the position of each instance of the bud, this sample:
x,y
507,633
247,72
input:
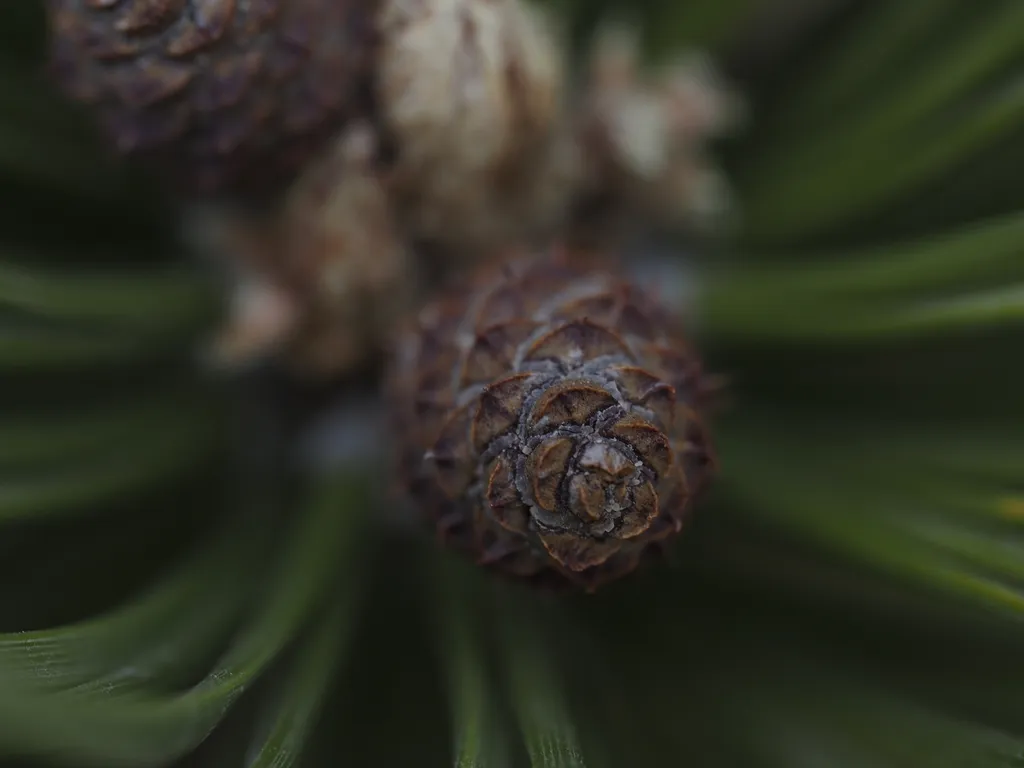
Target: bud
x,y
332,271
470,94
644,135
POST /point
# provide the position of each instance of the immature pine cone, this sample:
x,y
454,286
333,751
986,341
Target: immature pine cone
x,y
643,137
223,94
470,94
344,253
320,279
547,421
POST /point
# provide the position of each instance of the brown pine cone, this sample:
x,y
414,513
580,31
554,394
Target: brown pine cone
x,y
225,95
547,419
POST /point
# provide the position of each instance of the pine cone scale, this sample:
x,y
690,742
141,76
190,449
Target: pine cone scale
x,y
214,17
156,15
159,82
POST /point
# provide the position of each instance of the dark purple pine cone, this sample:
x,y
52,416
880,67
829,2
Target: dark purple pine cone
x,y
547,421
225,95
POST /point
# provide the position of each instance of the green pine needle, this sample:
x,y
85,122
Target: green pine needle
x,y
111,474
38,440
141,642
797,190
157,301
878,42
102,728
964,278
535,681
291,715
480,735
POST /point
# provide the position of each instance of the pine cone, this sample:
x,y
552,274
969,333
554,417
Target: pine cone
x,y
547,417
224,95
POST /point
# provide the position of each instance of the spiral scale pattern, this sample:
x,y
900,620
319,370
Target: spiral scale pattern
x,y
548,416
